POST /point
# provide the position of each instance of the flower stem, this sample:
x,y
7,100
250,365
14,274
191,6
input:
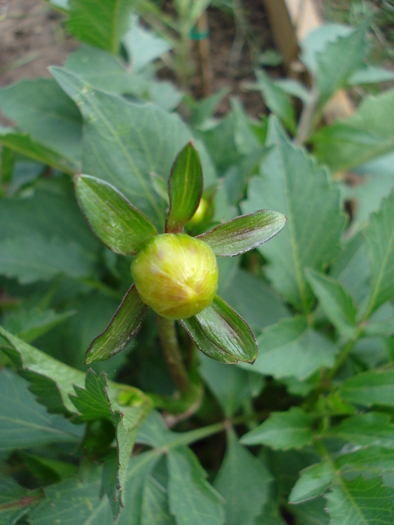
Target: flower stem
x,y
172,354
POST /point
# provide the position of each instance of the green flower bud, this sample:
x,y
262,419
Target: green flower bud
x,y
176,275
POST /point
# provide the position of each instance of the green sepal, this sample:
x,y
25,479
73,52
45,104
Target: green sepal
x,y
112,218
123,327
244,233
185,186
220,333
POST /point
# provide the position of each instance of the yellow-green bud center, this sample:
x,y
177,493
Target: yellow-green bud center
x,y
176,275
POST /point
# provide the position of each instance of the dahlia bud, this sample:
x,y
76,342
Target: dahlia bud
x,y
176,275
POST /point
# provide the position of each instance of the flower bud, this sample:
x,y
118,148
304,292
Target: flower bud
x,y
176,275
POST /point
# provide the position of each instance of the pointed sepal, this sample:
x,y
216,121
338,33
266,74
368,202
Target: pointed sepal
x,y
124,325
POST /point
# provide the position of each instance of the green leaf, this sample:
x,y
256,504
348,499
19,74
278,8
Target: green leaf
x,y
283,430
143,46
41,109
92,401
192,499
370,75
337,62
230,385
366,134
34,257
184,188
24,423
277,100
336,302
361,502
313,482
292,184
15,501
155,509
124,325
369,388
243,481
312,512
117,223
365,430
101,27
24,144
116,134
380,244
244,233
220,333
252,298
291,348
371,462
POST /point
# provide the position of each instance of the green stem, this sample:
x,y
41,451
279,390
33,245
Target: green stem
x,y
172,354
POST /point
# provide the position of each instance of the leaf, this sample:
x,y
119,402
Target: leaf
x,y
291,349
220,333
23,143
369,388
336,302
103,27
230,385
24,423
244,233
184,188
371,462
367,134
252,298
380,244
283,430
192,499
117,223
243,481
277,100
313,481
361,502
33,257
337,62
155,509
116,134
370,75
143,46
15,501
365,430
92,401
124,325
292,184
41,109
312,512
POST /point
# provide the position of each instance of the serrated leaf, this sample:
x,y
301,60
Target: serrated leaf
x,y
117,223
124,325
116,133
24,423
16,501
337,62
291,348
34,257
51,119
369,429
277,100
192,499
244,233
293,185
220,333
365,135
101,27
361,502
25,145
312,482
370,75
380,244
371,462
230,385
283,430
243,481
155,509
336,302
92,401
184,188
369,388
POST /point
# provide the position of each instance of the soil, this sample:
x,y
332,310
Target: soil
x,y
33,38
